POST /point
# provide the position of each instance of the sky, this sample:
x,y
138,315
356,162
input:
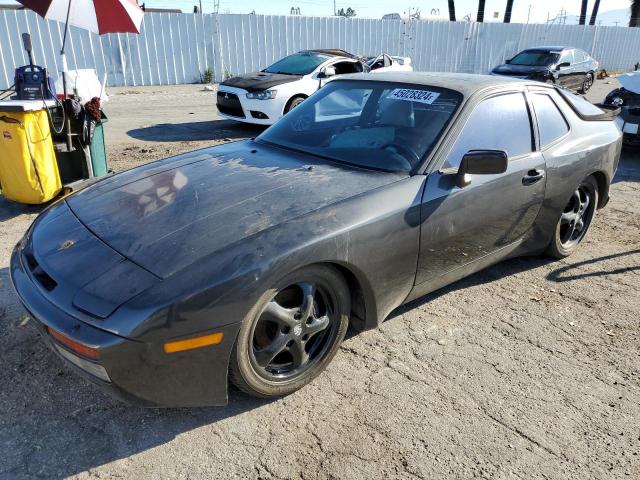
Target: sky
x,y
540,9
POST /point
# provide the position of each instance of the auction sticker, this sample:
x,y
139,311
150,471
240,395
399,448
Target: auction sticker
x,y
411,95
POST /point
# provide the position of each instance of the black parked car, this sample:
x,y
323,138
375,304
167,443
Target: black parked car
x,y
567,67
249,260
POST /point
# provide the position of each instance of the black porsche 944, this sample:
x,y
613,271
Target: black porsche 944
x,y
247,262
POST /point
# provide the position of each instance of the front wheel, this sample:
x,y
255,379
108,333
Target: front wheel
x,y
575,220
292,333
293,103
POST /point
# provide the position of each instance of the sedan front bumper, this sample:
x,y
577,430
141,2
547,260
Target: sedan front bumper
x,y
232,103
136,372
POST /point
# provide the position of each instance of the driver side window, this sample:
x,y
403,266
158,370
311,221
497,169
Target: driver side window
x,y
343,68
498,123
567,57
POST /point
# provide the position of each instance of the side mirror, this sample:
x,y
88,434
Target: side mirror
x,y
508,61
481,162
327,72
562,65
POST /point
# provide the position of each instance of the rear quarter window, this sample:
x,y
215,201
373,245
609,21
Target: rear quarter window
x,y
551,123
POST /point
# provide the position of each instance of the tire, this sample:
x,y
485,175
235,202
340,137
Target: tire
x,y
287,340
587,83
575,220
293,103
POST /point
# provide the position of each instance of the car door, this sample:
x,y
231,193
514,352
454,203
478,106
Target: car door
x,y
486,219
566,74
581,67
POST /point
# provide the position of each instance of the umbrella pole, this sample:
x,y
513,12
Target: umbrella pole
x,y
63,57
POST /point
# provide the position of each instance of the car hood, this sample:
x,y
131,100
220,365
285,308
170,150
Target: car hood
x,y
519,69
169,214
258,81
630,81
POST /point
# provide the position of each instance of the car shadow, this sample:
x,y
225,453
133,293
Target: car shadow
x,y
564,274
196,131
483,277
10,209
55,424
629,166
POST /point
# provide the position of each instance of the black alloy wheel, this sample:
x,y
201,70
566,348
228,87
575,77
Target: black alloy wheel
x,y
575,219
292,333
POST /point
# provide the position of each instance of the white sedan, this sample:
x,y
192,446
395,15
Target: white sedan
x,y
263,97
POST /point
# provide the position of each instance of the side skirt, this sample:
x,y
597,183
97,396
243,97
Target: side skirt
x,y
508,251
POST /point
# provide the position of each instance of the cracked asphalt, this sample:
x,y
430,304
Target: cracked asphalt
x,y
529,369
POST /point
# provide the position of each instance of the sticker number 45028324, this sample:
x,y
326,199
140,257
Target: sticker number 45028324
x,y
412,95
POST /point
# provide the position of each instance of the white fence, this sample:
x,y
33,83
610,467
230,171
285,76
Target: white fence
x,y
177,48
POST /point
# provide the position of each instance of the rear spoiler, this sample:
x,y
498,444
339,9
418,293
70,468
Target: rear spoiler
x,y
604,112
609,112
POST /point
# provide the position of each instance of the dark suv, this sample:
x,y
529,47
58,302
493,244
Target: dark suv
x,y
568,67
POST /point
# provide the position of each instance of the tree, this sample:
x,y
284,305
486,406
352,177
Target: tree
x,y
480,17
634,21
583,12
452,10
349,12
594,12
507,11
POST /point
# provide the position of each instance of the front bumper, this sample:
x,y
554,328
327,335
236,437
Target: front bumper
x,y
138,372
248,109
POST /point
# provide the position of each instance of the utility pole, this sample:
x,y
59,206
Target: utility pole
x,y
200,7
335,12
529,14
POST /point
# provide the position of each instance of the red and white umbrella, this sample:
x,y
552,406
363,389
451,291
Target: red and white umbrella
x,y
97,16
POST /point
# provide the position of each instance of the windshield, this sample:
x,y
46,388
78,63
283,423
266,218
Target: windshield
x,y
382,125
302,63
538,59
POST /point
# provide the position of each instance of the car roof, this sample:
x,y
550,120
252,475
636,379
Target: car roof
x,y
549,49
334,52
465,83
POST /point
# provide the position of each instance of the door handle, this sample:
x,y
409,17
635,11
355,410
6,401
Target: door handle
x,y
532,177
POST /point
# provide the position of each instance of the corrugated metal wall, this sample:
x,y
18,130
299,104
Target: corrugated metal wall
x,y
177,48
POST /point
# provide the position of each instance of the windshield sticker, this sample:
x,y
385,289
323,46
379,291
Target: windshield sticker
x,y
411,95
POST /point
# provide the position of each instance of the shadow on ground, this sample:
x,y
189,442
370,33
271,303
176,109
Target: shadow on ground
x,y
628,169
10,209
50,407
196,131
54,424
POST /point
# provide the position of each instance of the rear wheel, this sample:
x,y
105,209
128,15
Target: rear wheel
x,y
587,83
292,333
575,220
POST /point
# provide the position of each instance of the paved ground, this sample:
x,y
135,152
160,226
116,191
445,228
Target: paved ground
x,y
530,369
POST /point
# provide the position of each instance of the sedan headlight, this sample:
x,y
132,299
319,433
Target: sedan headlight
x,y
263,95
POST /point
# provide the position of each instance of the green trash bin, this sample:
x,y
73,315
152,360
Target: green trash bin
x,y
98,149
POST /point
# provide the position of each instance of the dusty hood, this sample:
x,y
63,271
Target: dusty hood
x,y
168,214
630,81
257,81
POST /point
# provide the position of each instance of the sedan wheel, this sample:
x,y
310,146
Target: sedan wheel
x,y
575,219
292,333
587,84
293,104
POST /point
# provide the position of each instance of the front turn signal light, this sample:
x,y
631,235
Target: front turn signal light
x,y
74,346
191,343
